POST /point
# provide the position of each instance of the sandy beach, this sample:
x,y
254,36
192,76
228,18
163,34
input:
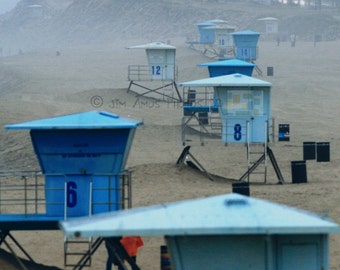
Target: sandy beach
x,y
305,94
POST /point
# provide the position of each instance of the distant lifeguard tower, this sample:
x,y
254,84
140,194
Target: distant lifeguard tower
x,y
246,46
269,27
82,158
224,44
214,39
244,107
159,75
222,232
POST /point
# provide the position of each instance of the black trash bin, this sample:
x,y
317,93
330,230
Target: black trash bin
x,y
241,188
299,171
323,152
309,150
270,71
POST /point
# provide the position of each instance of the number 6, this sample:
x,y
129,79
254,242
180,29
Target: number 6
x,y
71,194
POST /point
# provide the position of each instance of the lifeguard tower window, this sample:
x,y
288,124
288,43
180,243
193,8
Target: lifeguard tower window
x,y
243,102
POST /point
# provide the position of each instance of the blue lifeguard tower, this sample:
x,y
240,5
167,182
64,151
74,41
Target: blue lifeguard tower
x,y
82,158
202,104
160,73
223,232
206,34
246,45
223,47
245,113
215,37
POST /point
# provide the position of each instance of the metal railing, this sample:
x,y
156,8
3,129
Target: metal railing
x,y
152,73
24,192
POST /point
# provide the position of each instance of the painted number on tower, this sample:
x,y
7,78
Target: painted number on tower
x,y
71,194
237,132
156,70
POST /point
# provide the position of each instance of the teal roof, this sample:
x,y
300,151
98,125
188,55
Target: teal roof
x,y
231,214
232,80
85,120
229,63
205,24
246,32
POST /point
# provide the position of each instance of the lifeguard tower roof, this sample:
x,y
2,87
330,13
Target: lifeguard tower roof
x,y
268,19
218,21
86,120
153,46
232,214
236,79
246,33
221,26
230,66
204,24
228,63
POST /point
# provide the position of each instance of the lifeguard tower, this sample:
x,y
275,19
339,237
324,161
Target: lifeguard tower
x,y
269,27
222,232
82,158
224,44
159,76
214,39
206,34
246,46
201,104
245,112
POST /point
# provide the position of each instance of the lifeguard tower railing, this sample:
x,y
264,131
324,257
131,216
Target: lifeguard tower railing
x,y
24,206
24,193
249,54
215,50
200,115
154,80
147,73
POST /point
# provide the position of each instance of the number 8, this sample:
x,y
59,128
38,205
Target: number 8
x,y
237,132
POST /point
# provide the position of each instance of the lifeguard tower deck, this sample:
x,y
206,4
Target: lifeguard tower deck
x,y
82,159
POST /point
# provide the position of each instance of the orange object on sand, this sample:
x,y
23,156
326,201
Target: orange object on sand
x,y
131,244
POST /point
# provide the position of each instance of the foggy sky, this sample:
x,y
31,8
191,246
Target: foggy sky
x,y
7,5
